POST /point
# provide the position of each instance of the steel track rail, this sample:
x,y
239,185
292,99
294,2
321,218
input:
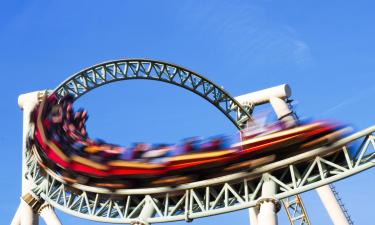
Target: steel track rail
x,y
112,211
293,175
145,69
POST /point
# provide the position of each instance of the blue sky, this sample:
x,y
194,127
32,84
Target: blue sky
x,y
324,50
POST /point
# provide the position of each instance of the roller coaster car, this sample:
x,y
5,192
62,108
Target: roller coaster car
x,y
56,151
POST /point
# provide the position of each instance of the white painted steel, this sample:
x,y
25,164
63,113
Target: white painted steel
x,y
283,112
260,97
147,212
16,219
26,214
49,216
268,209
253,216
202,198
26,102
267,214
211,197
332,206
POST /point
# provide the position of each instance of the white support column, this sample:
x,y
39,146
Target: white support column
x,y
147,211
332,206
275,96
49,215
253,216
17,219
283,112
25,213
26,102
268,204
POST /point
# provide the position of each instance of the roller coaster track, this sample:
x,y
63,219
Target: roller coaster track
x,y
293,175
132,69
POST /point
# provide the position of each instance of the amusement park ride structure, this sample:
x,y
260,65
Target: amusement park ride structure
x,y
262,189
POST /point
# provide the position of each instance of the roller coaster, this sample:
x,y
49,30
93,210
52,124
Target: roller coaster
x,y
262,184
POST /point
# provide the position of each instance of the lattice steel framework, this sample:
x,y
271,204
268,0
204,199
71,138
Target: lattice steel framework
x,y
190,201
293,175
98,75
295,210
129,69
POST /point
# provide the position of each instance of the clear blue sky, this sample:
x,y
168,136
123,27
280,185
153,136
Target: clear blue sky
x,y
324,50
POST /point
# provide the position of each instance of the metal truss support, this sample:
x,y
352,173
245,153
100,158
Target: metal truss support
x,y
294,175
332,206
278,179
296,210
268,205
132,69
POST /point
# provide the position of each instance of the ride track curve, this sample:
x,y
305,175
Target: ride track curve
x,y
236,191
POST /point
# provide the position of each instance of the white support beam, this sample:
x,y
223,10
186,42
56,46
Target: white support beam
x,y
276,97
332,206
261,97
17,219
25,213
253,216
26,102
283,112
268,204
49,215
147,212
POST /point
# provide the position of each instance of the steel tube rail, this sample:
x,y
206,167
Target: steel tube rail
x,y
145,69
241,189
214,196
